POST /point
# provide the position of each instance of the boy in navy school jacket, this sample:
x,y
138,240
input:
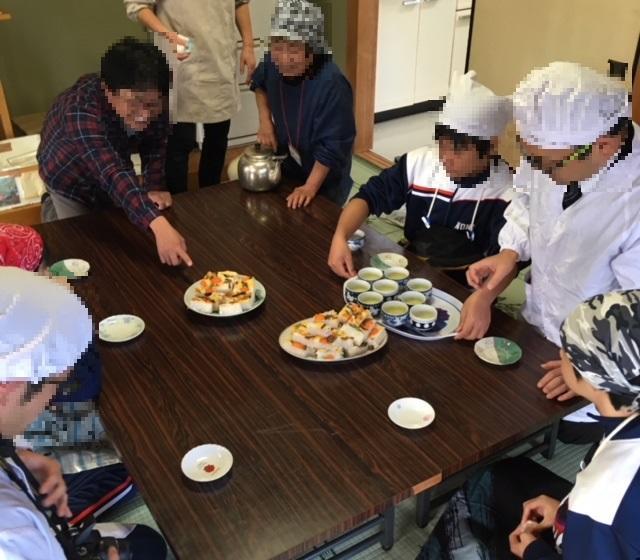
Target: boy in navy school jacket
x,y
455,199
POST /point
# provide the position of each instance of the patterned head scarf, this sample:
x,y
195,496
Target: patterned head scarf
x,y
602,338
20,246
300,20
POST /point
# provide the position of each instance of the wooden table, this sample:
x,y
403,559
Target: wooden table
x,y
314,451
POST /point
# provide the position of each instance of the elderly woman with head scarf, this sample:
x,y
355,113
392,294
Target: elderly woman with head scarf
x,y
305,105
597,517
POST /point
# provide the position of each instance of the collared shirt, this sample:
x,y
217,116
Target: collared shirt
x,y
85,153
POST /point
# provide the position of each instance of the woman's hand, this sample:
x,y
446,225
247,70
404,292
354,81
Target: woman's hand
x,y
177,40
301,197
267,135
248,62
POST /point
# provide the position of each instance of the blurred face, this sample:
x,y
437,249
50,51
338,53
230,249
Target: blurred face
x,y
290,57
137,109
577,164
17,410
461,162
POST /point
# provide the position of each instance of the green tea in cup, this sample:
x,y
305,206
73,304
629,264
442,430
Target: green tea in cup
x,y
370,274
412,298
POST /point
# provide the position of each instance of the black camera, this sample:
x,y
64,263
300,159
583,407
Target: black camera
x,y
90,545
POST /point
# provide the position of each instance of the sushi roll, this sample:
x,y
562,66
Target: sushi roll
x,y
201,305
376,337
300,338
357,334
352,350
300,350
329,354
228,309
318,329
246,301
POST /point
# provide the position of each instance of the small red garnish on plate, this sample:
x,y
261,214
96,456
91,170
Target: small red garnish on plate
x,y
209,468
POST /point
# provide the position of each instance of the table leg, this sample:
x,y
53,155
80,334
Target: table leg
x,y
423,505
550,440
388,527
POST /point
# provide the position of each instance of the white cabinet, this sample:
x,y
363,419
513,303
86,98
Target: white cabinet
x,y
415,45
435,43
461,41
244,125
398,26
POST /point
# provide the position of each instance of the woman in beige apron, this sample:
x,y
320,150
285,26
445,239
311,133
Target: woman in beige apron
x,y
200,41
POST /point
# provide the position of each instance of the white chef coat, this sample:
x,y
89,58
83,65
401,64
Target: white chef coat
x,y
590,248
24,532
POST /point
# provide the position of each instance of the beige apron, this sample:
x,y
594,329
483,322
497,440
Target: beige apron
x,y
205,88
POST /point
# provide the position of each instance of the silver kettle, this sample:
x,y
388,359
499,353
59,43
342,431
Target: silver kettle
x,y
259,169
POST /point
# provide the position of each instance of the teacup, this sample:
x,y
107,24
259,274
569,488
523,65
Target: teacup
x,y
397,274
423,317
388,288
370,274
421,285
412,298
371,301
394,313
356,241
353,288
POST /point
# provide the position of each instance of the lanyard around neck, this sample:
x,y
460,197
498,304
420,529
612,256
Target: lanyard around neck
x,y
286,119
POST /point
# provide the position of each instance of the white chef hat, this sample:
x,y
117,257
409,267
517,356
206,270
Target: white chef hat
x,y
566,104
44,327
474,109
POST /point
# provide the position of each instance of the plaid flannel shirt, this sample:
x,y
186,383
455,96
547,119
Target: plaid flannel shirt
x,y
85,153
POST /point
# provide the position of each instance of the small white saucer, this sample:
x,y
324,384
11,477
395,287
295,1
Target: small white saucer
x,y
206,463
411,413
120,328
389,260
70,268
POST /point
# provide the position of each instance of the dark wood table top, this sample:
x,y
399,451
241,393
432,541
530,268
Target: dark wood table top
x,y
314,451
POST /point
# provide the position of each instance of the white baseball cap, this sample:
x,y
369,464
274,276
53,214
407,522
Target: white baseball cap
x,y
565,105
474,109
44,327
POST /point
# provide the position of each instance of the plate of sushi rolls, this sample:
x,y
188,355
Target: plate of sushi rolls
x,y
225,294
335,336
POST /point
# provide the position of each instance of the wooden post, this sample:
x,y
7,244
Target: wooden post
x,y
635,96
362,44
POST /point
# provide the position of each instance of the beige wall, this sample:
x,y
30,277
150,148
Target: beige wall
x,y
510,37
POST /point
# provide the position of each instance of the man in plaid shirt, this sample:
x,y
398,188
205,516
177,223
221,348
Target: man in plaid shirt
x,y
92,130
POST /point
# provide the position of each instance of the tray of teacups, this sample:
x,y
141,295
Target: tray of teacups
x,y
407,306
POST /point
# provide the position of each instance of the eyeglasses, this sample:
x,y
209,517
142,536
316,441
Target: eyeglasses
x,y
548,167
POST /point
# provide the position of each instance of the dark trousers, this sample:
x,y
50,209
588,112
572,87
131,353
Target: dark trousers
x,y
514,482
182,141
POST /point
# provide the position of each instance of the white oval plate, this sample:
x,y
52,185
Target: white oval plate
x,y
411,413
285,337
388,260
438,299
261,295
120,328
196,460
